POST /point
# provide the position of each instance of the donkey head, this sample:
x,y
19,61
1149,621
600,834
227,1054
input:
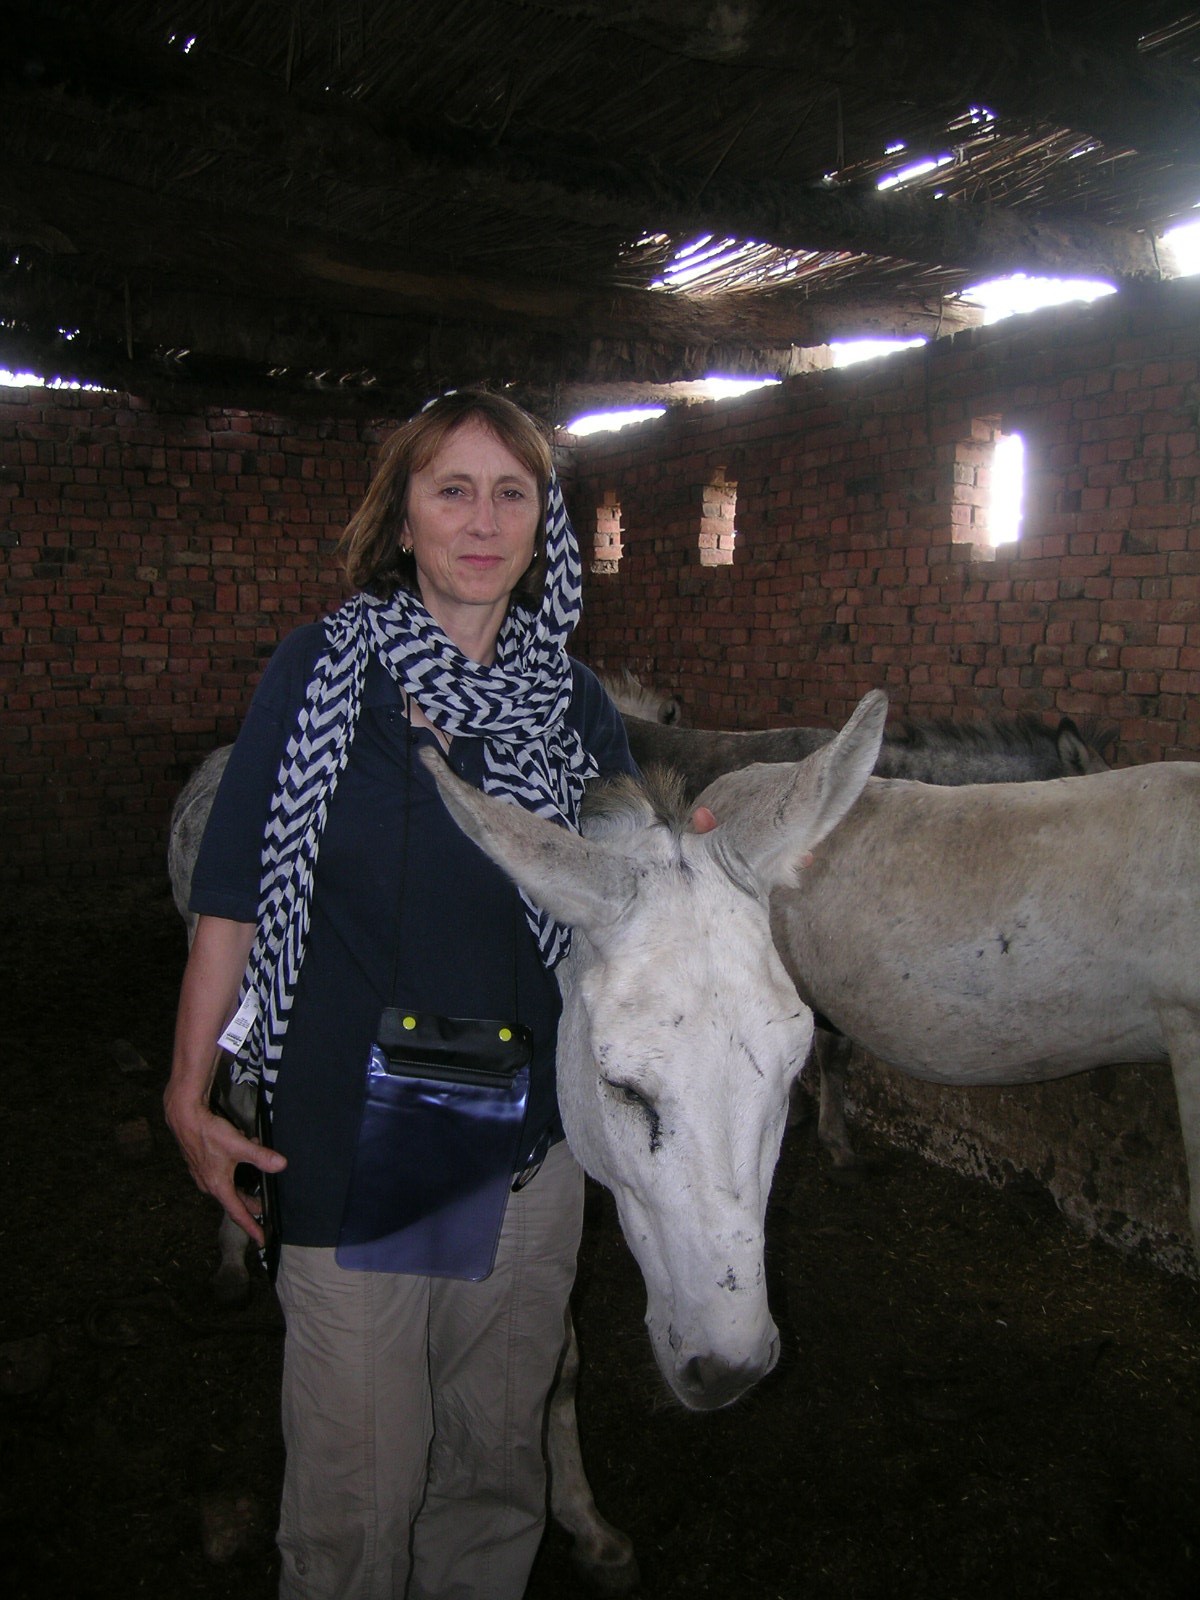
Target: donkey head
x,y
681,1032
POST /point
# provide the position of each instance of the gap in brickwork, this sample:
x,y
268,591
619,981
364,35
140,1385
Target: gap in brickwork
x,y
1006,511
607,547
718,507
987,487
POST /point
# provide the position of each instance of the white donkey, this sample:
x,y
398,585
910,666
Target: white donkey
x,y
681,1032
1005,933
993,934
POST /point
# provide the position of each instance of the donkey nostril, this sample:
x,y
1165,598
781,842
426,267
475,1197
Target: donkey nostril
x,y
707,1382
694,1372
711,1375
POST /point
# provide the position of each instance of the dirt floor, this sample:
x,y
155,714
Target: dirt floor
x,y
973,1404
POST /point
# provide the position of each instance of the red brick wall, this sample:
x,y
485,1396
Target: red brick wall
x,y
149,561
858,497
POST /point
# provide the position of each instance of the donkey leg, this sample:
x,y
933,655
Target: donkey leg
x,y
1181,1027
801,1099
831,1052
231,1280
603,1555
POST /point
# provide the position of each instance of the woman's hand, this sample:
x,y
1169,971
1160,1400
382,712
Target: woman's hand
x,y
211,1145
213,1148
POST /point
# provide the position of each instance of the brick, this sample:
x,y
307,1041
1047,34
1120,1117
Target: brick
x,y
849,519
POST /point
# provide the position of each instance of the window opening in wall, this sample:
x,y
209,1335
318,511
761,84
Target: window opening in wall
x,y
610,421
607,550
718,504
35,380
31,380
989,481
1184,244
1007,489
848,351
713,387
1019,294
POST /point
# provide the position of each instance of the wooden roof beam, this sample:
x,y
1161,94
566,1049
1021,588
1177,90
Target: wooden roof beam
x,y
221,282
196,336
249,111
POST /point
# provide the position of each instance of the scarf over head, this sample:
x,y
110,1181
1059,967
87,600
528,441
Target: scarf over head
x,y
517,705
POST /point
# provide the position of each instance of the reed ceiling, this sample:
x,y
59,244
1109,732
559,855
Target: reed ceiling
x,y
340,206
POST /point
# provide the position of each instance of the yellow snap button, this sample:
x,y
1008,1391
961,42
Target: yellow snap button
x,y
410,1023
506,1034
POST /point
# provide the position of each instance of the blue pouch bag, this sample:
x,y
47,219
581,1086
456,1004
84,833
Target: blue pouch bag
x,y
441,1128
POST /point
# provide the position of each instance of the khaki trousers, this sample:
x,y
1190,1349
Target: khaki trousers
x,y
413,1412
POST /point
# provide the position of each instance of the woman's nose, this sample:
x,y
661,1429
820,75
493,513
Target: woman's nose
x,y
484,519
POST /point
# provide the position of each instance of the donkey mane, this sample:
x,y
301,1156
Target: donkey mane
x,y
624,804
1025,731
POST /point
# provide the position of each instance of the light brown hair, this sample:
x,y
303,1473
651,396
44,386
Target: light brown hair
x,y
370,547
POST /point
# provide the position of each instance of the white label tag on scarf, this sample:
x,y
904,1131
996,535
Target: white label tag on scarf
x,y
240,1024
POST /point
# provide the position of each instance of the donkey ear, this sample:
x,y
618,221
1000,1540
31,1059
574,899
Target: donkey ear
x,y
771,816
582,883
1074,752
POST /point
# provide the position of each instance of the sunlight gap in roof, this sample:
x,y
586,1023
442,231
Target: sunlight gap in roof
x,y
1184,244
710,388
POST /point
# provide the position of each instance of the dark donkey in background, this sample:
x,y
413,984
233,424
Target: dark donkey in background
x,y
995,750
1020,749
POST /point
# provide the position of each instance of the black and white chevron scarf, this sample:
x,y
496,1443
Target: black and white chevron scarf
x,y
518,706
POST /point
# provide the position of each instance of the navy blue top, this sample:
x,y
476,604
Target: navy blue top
x,y
466,947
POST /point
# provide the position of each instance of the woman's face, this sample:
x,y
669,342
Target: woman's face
x,y
472,519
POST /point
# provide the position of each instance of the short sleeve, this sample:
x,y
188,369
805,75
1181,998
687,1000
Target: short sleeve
x,y
228,870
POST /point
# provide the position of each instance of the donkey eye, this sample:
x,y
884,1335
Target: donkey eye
x,y
634,1097
630,1095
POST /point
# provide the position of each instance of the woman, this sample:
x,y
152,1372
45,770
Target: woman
x,y
331,882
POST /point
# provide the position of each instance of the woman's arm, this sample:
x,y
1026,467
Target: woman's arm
x,y
212,1146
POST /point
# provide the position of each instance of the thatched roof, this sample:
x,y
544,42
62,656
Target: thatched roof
x,y
344,204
